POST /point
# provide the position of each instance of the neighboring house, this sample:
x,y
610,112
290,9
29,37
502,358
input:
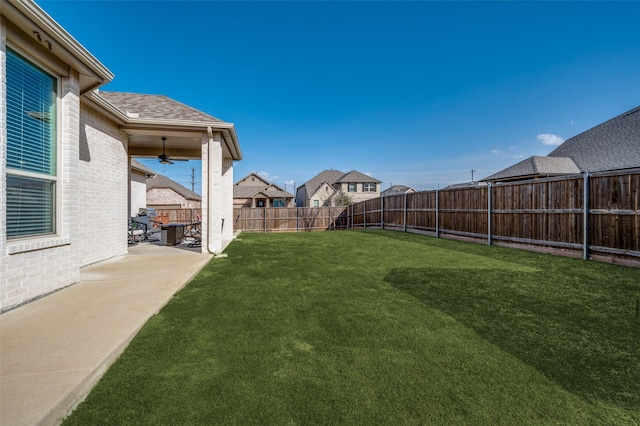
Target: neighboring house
x,y
254,191
164,193
611,146
65,151
138,191
322,188
397,190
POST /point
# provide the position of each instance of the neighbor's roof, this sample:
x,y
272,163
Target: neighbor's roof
x,y
271,191
396,189
336,176
355,176
612,145
328,176
155,107
161,182
136,165
536,167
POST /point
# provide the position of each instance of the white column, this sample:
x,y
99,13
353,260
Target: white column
x,y
212,194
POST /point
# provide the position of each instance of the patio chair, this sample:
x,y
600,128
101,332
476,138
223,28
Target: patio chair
x,y
149,227
134,233
194,232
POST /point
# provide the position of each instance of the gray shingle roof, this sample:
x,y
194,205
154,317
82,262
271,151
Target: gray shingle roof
x,y
328,176
160,181
355,176
396,189
537,167
155,107
141,167
271,190
612,145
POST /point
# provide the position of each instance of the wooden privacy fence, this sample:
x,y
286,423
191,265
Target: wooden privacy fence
x,y
597,214
178,215
290,219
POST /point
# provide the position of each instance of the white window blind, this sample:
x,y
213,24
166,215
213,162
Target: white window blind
x,y
31,148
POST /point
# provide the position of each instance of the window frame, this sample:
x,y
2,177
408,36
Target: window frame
x,y
369,187
52,179
355,187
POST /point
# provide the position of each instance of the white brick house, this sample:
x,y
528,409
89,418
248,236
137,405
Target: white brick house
x,y
65,152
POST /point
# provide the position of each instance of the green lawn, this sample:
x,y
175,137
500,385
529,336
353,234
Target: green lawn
x,y
381,327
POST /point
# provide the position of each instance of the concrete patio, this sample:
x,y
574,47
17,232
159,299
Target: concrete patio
x,y
54,350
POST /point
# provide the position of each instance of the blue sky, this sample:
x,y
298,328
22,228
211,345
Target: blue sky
x,y
413,93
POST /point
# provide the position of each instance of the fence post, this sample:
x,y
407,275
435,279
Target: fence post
x,y
381,212
489,208
331,224
297,219
585,219
364,213
405,212
265,219
437,213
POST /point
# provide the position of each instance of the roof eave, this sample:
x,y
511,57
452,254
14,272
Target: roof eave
x,y
227,129
26,14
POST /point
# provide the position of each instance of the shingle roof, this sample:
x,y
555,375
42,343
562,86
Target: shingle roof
x,y
328,176
160,181
612,145
537,166
141,167
355,176
271,190
155,107
396,189
336,176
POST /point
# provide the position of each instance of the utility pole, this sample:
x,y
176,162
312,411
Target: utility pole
x,y
472,172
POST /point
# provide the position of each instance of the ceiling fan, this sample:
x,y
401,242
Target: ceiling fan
x,y
164,158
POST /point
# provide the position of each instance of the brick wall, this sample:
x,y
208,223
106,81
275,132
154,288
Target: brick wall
x,y
32,267
103,187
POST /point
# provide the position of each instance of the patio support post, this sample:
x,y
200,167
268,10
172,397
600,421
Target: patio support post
x,y
212,175
585,219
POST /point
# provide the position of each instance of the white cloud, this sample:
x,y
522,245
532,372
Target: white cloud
x,y
550,139
267,176
519,156
495,151
512,147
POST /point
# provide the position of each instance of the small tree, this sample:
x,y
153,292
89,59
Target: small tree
x,y
342,199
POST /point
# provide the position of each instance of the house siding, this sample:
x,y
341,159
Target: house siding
x,y
32,267
104,183
168,197
138,191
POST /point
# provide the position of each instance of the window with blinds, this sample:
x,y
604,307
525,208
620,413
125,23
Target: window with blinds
x,y
31,148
